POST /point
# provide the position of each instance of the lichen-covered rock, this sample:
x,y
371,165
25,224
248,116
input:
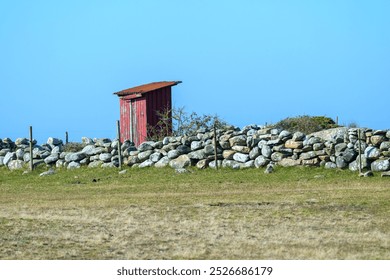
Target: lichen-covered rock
x,y
261,161
164,161
180,162
380,165
240,157
15,164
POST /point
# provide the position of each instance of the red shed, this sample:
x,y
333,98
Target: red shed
x,y
139,108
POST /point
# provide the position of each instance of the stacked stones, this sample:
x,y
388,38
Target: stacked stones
x,y
251,146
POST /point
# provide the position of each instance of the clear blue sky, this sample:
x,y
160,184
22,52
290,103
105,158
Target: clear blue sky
x,y
249,61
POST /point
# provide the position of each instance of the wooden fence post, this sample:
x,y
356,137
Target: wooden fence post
x,y
360,152
31,149
66,137
215,147
119,144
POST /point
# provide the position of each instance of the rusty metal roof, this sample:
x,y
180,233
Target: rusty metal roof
x,y
146,88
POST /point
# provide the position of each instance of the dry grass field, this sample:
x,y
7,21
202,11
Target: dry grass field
x,y
294,213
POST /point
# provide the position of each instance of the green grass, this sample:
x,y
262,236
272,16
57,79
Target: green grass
x,y
294,213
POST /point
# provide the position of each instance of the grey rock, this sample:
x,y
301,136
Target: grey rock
x,y
93,158
228,154
348,155
288,162
84,161
277,156
164,161
266,151
90,150
254,153
1,160
95,164
308,155
209,150
380,165
155,157
87,141
47,173
240,157
131,160
180,162
9,157
109,165
341,163
248,164
183,149
22,141
340,148
385,174
173,154
241,149
51,159
312,140
298,136
105,157
354,166
196,145
146,163
200,154
330,165
291,144
226,163
19,154
252,142
102,142
57,149
285,135
366,174
385,146
74,156
331,134
15,164
318,146
261,161
146,146
213,165
73,165
388,134
202,164
54,141
60,163
376,140
3,152
142,156
239,140
269,169
372,153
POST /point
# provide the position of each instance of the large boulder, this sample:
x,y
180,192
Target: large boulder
x,y
15,164
180,162
380,165
372,153
74,156
239,140
240,157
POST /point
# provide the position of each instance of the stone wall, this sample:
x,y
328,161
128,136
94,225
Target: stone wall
x,y
250,147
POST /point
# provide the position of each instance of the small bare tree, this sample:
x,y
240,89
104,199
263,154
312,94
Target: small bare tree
x,y
178,122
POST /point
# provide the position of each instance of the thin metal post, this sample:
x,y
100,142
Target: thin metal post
x,y
31,149
215,147
119,144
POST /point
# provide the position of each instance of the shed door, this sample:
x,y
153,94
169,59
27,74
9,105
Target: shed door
x,y
137,120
